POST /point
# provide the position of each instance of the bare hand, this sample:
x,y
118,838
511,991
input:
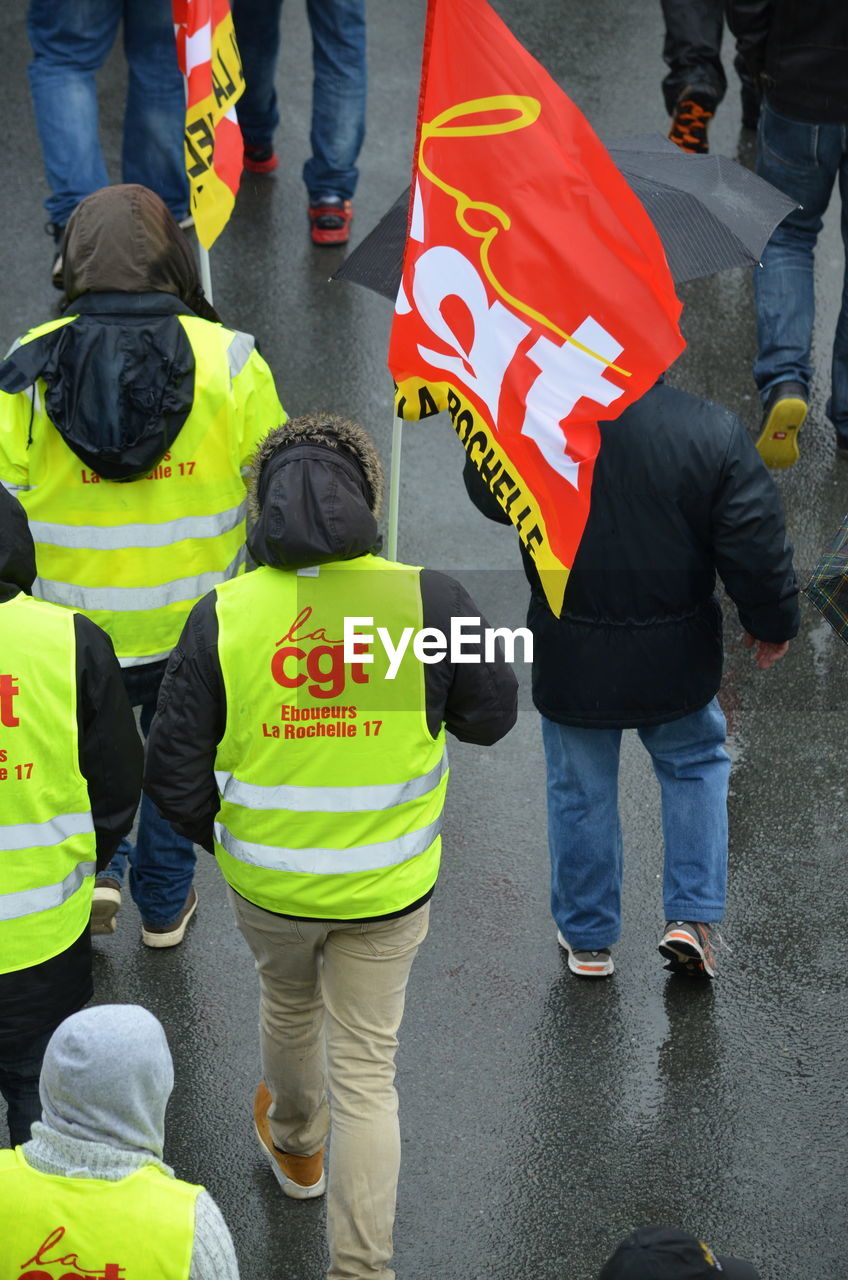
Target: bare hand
x,y
768,653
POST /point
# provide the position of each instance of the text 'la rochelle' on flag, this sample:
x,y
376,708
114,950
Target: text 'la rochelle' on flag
x,y
535,297
209,59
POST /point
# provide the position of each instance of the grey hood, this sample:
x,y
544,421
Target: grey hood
x,y
315,495
107,1076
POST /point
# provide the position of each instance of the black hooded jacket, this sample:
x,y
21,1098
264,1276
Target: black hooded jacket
x,y
119,379
679,494
313,501
34,1001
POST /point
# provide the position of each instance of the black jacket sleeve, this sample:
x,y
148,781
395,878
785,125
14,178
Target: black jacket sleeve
x,y
110,750
752,553
481,495
476,701
750,20
190,720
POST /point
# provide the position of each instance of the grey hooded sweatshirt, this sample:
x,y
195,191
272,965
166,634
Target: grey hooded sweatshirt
x,y
104,1114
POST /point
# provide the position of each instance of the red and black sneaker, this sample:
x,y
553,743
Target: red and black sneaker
x,y
329,221
260,159
693,111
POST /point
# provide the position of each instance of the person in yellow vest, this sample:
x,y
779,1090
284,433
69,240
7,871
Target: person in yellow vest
x,y
125,428
70,778
319,781
89,1193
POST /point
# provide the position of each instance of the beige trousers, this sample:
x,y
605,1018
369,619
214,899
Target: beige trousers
x,y
331,1001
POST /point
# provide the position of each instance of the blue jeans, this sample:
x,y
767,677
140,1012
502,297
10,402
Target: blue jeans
x,y
584,832
804,160
162,862
338,91
71,40
19,1078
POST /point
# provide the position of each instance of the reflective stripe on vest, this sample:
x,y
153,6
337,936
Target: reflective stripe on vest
x,y
324,862
26,902
135,599
140,1225
328,799
332,786
47,842
124,536
26,835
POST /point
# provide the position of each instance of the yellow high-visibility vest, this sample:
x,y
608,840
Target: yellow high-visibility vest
x,y
47,844
331,785
135,556
52,1227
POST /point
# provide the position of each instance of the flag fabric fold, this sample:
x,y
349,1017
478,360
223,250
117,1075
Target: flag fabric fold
x,y
209,59
535,296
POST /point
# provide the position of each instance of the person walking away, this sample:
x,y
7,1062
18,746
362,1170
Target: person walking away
x,y
91,1184
70,779
70,42
696,82
679,496
319,783
125,427
338,103
799,55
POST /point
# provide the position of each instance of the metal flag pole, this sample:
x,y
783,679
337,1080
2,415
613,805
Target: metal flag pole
x,y
394,486
205,273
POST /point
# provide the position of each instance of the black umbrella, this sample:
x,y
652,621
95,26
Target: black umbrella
x,y
709,212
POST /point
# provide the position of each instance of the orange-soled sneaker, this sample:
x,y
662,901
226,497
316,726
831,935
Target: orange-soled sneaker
x,y
301,1177
587,964
329,221
690,947
693,112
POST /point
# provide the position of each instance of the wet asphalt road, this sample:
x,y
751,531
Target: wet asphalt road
x,y
542,1117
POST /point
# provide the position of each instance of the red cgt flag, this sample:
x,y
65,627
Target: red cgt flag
x,y
209,59
535,296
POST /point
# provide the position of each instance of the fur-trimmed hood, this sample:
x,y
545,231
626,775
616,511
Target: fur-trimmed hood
x,y
315,494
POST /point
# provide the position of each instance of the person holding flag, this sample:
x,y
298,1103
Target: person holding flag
x,y
530,309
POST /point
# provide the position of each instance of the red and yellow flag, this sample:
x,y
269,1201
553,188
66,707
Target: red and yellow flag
x,y
535,297
209,59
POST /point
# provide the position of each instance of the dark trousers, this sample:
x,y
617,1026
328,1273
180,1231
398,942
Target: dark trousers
x,y
692,50
19,1075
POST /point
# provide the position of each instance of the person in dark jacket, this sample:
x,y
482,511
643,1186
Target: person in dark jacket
x,y
318,778
696,82
125,428
38,990
678,496
797,50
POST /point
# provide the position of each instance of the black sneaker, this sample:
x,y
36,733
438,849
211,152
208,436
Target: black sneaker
x,y
693,112
56,273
